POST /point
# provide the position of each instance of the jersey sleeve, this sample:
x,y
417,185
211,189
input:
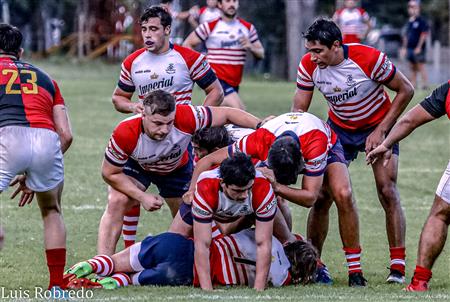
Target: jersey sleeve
x,y
435,103
382,69
58,98
121,144
263,200
253,34
304,73
125,79
314,145
364,15
199,69
204,30
255,145
190,118
205,201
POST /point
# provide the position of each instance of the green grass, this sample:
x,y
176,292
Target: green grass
x,y
87,89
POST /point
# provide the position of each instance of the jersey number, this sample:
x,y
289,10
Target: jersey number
x,y
14,74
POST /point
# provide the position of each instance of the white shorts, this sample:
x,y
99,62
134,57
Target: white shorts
x,y
443,189
36,151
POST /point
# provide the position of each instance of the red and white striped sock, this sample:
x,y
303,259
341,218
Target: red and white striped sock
x,y
102,265
353,256
398,255
130,223
122,279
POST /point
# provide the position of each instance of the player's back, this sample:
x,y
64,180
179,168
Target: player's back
x,y
28,95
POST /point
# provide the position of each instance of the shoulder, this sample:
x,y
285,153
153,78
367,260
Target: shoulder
x,y
130,58
248,25
202,10
188,55
308,65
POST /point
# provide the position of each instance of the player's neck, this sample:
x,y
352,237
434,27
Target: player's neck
x,y
228,18
339,57
163,49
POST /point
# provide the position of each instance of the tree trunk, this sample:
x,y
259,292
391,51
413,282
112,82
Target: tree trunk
x,y
299,16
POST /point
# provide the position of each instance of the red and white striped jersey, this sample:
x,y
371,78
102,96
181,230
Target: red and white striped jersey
x,y
352,22
354,88
211,203
174,71
207,14
234,260
130,141
225,53
315,137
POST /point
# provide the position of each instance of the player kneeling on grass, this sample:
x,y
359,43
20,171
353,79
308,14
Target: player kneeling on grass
x,y
168,259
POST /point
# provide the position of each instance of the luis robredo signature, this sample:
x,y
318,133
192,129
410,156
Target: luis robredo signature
x,y
43,293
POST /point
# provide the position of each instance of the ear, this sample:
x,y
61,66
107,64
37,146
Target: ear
x,y
167,30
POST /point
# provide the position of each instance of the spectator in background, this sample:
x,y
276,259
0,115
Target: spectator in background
x,y
414,46
353,21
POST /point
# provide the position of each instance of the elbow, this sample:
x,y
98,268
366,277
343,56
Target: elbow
x,y
68,139
409,91
115,103
220,96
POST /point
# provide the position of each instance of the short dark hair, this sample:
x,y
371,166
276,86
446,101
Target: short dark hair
x,y
325,31
237,170
160,102
211,138
10,39
285,159
303,258
157,11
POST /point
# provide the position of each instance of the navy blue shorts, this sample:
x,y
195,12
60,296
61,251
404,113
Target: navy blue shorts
x,y
354,142
227,88
336,154
186,213
415,58
171,185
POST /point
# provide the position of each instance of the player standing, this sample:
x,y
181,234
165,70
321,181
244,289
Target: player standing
x,y
227,39
352,79
353,21
434,233
35,132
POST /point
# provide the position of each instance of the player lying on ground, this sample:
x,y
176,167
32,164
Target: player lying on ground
x,y
434,233
168,259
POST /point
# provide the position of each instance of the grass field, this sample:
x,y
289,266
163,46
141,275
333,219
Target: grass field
x,y
87,89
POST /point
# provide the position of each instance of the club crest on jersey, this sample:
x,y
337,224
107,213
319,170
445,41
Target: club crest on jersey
x,y
350,82
154,76
171,68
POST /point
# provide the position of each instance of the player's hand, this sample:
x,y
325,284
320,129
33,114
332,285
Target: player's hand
x,y
245,43
188,197
138,108
152,202
379,152
374,140
268,173
266,119
417,50
27,194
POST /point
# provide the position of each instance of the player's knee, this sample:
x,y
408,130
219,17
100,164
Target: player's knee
x,y
322,205
389,196
118,202
344,198
50,209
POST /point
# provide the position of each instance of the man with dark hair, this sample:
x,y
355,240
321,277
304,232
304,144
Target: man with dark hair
x,y
152,147
354,22
227,40
351,78
208,140
161,65
225,194
168,259
296,142
434,232
35,132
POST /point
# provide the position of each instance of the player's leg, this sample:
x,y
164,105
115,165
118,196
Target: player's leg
x,y
423,75
130,224
183,222
174,204
2,236
386,183
283,207
112,219
281,229
233,100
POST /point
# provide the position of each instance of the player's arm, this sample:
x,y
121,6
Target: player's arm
x,y
227,115
62,126
414,118
263,236
204,164
202,242
404,93
214,94
192,40
114,176
122,102
422,39
306,196
257,49
302,100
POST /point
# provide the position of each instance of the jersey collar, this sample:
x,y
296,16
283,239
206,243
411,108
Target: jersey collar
x,y
345,47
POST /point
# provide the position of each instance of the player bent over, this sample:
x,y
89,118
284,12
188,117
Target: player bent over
x,y
434,233
153,148
35,132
